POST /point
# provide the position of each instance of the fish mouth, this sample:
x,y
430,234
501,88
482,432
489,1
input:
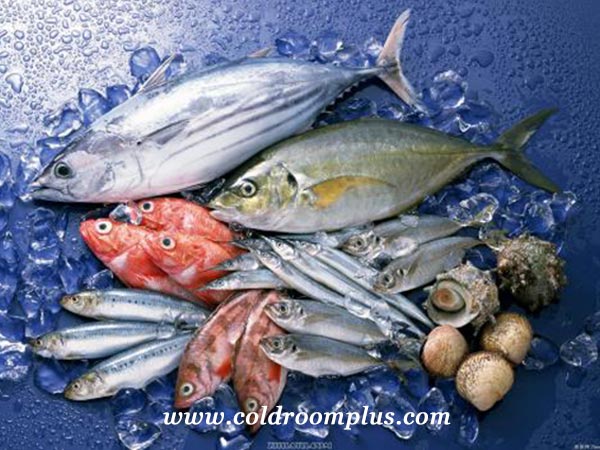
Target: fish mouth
x,y
38,191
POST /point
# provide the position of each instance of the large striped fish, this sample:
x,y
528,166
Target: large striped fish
x,y
178,134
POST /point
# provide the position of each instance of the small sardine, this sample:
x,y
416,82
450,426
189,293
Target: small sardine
x,y
134,368
321,319
134,305
244,263
98,339
253,279
334,239
421,267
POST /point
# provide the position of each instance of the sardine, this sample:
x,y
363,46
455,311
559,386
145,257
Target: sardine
x,y
303,185
333,239
134,305
421,267
174,135
253,279
134,368
98,339
321,319
245,262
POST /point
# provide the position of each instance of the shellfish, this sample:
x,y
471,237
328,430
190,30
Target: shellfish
x,y
510,335
444,349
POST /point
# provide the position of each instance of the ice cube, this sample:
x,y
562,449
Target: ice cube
x,y
15,359
127,402
433,402
468,428
136,434
327,45
161,390
51,376
143,62
417,382
117,94
399,406
581,351
71,272
575,376
92,105
239,442
100,280
542,353
292,44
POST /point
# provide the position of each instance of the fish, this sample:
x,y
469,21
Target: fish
x,y
245,262
333,239
175,135
363,275
208,358
120,247
257,381
134,305
320,319
189,261
303,185
377,308
134,368
252,279
318,356
98,339
421,267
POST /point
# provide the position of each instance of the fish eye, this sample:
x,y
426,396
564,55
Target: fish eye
x,y
387,280
76,385
147,206
251,404
277,343
167,243
247,188
186,389
62,170
38,342
103,227
283,308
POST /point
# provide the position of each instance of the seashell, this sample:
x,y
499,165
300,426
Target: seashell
x,y
530,269
461,296
444,349
510,335
484,378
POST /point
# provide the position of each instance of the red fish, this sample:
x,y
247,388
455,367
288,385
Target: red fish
x,y
258,381
177,214
119,246
188,260
208,358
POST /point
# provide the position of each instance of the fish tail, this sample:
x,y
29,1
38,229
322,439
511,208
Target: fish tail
x,y
509,150
389,59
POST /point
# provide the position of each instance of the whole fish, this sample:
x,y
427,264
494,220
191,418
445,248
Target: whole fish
x,y
208,358
134,368
245,262
189,260
319,356
120,247
363,275
98,339
303,185
252,279
174,135
258,381
134,305
421,267
321,319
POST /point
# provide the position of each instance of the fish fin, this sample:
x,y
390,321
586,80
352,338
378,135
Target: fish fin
x,y
330,191
262,53
389,59
159,76
165,134
509,150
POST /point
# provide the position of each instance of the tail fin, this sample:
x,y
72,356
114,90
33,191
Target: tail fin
x,y
510,154
389,58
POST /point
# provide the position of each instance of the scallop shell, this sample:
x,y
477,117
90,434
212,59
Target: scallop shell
x,y
484,378
461,296
510,335
443,351
531,270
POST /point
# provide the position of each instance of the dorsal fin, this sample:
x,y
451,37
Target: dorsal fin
x,y
159,76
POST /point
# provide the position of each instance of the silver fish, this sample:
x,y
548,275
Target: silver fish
x,y
134,305
333,239
421,267
134,368
321,319
245,262
318,356
253,279
176,134
99,339
363,275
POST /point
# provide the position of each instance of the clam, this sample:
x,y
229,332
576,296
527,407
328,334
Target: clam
x,y
530,269
510,335
443,351
461,296
484,378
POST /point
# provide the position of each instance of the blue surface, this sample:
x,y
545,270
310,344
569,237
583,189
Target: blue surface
x,y
515,56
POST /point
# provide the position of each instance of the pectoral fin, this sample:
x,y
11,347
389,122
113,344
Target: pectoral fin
x,y
330,191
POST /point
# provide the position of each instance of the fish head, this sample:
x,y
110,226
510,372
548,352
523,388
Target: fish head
x,y
92,168
255,196
188,388
390,280
86,387
268,259
79,303
278,348
158,213
108,238
360,243
47,345
284,311
312,248
170,250
282,248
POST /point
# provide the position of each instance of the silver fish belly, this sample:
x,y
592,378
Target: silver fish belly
x,y
251,279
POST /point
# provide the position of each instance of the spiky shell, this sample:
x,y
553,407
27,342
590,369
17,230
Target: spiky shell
x,y
461,296
484,378
443,351
530,269
510,335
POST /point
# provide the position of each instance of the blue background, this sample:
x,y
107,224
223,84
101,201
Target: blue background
x,y
544,53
